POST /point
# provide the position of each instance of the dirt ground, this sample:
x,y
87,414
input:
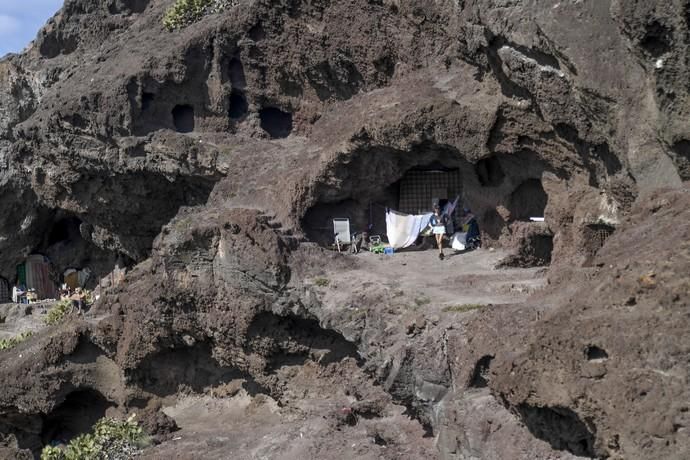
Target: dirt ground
x,y
16,319
462,278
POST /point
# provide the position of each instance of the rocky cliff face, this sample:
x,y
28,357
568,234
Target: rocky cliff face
x,y
205,157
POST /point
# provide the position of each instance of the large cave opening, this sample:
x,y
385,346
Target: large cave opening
x,y
362,186
76,415
66,256
501,191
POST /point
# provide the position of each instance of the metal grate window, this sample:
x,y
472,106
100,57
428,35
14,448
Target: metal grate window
x,y
601,235
5,294
596,235
419,188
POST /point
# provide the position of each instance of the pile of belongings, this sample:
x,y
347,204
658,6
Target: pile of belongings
x,y
469,237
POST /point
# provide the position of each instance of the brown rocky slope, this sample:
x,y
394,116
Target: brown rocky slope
x,y
206,157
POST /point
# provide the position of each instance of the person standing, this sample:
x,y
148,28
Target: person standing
x,y
438,227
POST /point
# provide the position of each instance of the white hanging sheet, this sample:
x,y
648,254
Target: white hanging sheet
x,y
403,229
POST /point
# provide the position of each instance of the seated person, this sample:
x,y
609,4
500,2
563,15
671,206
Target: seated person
x,y
471,227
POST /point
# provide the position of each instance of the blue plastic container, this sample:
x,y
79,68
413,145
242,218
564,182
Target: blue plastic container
x,y
388,251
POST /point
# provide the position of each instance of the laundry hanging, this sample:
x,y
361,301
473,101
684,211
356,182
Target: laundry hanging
x,y
403,229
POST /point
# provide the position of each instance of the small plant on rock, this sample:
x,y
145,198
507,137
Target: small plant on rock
x,y
322,282
111,440
58,313
186,12
6,344
463,308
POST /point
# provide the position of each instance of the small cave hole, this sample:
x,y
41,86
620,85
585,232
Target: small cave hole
x,y
480,376
146,101
682,151
238,105
257,33
379,440
594,353
560,427
489,172
64,230
238,79
682,148
275,122
534,251
528,200
183,118
76,415
291,341
657,39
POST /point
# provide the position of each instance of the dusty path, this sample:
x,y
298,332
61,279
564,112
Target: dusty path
x,y
463,278
19,318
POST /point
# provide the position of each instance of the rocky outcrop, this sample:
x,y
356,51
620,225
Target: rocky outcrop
x,y
204,158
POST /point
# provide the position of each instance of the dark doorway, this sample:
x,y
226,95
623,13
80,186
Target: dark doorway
x,y
275,122
528,200
183,118
74,416
238,105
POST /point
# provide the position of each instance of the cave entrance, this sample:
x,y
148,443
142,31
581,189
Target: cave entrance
x,y
183,118
238,105
275,122
528,200
410,189
67,255
76,415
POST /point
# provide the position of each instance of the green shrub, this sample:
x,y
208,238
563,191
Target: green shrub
x,y
421,300
186,12
58,312
110,439
6,344
322,282
463,308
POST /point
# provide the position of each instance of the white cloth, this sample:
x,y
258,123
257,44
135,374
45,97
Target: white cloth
x,y
459,241
439,230
403,229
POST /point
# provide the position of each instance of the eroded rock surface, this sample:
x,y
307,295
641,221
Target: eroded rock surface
x,y
205,158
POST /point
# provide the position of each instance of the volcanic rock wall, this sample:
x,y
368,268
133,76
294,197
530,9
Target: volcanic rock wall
x,y
199,153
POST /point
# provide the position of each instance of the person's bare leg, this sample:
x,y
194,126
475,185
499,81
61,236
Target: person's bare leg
x,y
439,243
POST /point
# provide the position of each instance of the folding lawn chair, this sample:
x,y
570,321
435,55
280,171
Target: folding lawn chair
x,y
341,230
